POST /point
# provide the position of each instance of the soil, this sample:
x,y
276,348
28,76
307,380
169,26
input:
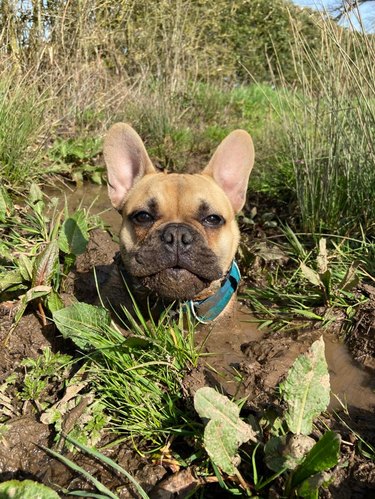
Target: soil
x,y
243,362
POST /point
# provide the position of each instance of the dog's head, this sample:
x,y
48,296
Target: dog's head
x,y
179,232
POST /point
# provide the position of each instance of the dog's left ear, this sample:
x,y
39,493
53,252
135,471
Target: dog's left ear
x,y
231,165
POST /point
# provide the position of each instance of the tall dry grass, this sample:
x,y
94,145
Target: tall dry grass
x,y
328,131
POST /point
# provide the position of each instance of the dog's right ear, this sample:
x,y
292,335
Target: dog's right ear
x,y
127,161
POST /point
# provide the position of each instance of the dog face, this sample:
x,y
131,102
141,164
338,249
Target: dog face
x,y
179,233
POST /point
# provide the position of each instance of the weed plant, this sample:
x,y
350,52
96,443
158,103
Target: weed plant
x,y
138,377
319,282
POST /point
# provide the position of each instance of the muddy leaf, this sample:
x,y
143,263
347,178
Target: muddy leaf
x,y
36,198
310,275
181,483
46,265
5,254
325,279
35,193
210,404
12,279
220,442
322,259
323,456
26,489
351,278
225,431
287,451
74,234
270,253
306,389
309,489
78,321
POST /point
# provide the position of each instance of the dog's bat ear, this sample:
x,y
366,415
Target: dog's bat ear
x,y
126,159
231,165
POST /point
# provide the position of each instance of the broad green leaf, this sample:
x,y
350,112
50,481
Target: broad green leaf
x,y
310,275
309,489
25,266
306,389
220,441
79,321
26,489
46,265
54,302
323,456
37,292
210,404
74,234
10,279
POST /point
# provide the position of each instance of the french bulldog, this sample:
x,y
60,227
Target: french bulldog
x,y
179,233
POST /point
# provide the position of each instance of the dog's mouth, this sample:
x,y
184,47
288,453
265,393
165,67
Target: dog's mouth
x,y
175,283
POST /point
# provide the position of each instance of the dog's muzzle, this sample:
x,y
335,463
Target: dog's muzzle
x,y
175,262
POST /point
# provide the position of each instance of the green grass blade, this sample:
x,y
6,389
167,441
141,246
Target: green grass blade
x,y
81,493
101,457
73,466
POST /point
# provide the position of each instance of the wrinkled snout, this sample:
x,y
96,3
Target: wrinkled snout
x,y
177,238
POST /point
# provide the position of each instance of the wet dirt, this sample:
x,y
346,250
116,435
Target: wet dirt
x,y
237,357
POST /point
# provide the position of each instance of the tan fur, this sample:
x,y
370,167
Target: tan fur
x,y
186,191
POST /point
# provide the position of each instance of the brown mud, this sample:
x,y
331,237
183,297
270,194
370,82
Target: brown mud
x,y
238,359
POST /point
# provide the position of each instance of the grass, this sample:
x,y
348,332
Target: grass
x,y
317,280
22,125
139,377
140,380
328,124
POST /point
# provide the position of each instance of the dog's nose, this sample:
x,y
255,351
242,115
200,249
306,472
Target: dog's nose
x,y
177,236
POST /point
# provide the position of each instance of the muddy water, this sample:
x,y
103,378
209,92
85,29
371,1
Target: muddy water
x,y
267,358
89,196
351,385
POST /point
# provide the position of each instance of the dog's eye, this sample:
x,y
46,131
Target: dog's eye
x,y
213,221
142,218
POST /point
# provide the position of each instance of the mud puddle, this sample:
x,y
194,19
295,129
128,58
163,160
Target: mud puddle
x,y
237,351
90,196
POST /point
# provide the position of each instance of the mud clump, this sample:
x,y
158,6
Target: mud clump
x,y
361,340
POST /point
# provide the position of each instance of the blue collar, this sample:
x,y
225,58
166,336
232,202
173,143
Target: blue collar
x,y
208,309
